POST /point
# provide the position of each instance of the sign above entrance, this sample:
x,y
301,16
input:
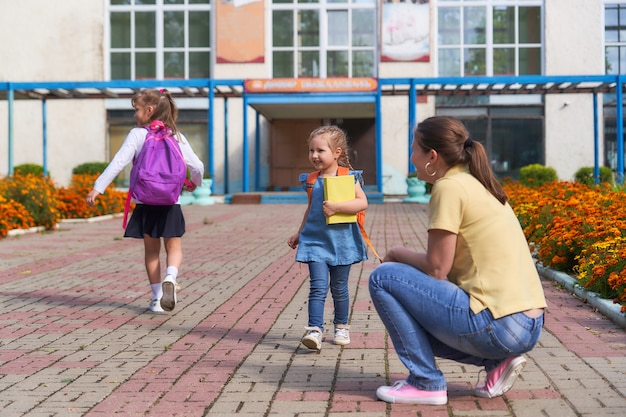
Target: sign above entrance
x,y
311,85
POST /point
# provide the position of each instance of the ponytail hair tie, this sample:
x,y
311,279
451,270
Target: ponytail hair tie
x,y
157,125
468,143
162,90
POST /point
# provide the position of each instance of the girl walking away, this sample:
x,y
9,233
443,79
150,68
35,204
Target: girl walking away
x,y
329,249
475,296
153,222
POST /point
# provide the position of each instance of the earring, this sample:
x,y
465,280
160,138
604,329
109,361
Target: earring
x,y
426,169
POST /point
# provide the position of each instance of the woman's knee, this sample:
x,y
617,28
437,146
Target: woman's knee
x,y
382,273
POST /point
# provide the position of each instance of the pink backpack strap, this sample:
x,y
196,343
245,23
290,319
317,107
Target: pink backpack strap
x,y
126,209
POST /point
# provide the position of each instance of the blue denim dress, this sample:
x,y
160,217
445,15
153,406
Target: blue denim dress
x,y
335,244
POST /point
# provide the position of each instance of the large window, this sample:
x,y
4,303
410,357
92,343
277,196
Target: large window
x,y
615,38
159,39
512,135
489,37
324,38
615,63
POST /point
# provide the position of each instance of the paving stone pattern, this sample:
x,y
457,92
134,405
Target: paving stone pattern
x,y
76,339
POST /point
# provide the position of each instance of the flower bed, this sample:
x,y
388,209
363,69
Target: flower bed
x,y
577,229
33,200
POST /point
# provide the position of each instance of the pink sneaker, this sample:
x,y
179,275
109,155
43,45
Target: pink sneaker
x,y
403,393
502,378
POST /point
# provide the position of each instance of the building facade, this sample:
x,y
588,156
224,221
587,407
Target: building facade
x,y
283,41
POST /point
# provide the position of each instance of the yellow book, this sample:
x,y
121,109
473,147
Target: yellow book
x,y
338,189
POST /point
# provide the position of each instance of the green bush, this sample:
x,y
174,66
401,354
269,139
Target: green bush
x,y
534,175
90,168
585,175
25,169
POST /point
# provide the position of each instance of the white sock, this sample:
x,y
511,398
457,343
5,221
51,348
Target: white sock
x,y
157,291
171,270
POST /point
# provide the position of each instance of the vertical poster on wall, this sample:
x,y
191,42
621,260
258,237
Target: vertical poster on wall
x,y
405,31
239,31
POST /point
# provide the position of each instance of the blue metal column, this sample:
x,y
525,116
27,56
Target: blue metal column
x,y
412,119
10,150
257,152
226,164
210,132
44,118
596,147
620,129
246,156
379,142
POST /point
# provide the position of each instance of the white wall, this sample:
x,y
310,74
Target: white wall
x,y
574,39
45,40
569,129
53,41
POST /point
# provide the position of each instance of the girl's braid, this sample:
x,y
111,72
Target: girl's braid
x,y
344,160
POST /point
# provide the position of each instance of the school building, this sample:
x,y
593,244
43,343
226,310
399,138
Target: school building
x,y
536,81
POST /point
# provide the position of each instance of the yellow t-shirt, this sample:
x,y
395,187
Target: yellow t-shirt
x,y
492,261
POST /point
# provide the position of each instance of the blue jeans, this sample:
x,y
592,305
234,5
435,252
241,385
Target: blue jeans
x,y
319,272
428,318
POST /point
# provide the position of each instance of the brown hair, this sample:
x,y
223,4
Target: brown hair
x,y
337,138
449,137
165,109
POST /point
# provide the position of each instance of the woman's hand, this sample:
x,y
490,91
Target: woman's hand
x,y
400,254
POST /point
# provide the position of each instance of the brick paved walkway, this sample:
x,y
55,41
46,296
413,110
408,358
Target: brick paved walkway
x,y
76,340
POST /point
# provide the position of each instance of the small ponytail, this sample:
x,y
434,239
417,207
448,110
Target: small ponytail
x,y
165,108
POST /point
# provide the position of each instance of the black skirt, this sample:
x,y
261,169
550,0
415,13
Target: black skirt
x,y
156,221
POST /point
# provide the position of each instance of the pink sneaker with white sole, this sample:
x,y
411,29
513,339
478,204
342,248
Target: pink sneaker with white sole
x,y
403,393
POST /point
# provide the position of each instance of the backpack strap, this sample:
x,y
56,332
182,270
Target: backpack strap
x,y
360,216
126,209
310,183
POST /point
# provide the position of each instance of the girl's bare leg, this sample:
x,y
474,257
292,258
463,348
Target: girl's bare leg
x,y
153,266
174,251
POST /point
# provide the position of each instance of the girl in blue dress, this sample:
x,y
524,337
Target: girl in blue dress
x,y
329,250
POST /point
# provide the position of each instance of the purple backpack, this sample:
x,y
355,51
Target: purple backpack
x,y
159,171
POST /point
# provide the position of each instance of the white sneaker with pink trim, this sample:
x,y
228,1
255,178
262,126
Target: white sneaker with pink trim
x,y
168,301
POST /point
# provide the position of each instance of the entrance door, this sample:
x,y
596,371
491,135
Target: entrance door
x,y
289,152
